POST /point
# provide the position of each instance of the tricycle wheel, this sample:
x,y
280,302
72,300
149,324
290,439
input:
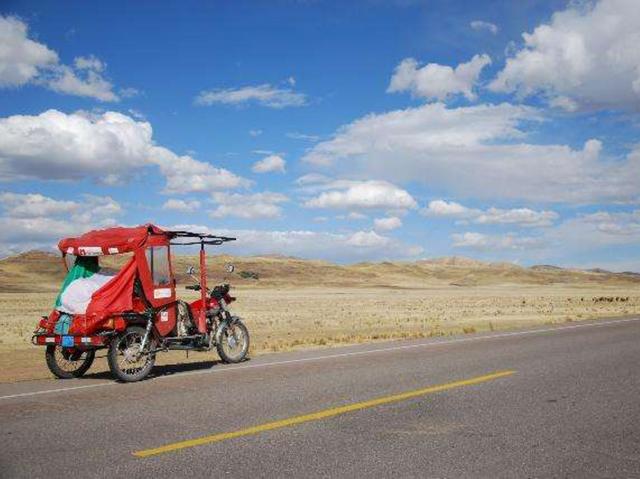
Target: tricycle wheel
x,y
68,363
127,361
232,341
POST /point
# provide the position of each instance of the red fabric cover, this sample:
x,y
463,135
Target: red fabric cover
x,y
109,241
114,297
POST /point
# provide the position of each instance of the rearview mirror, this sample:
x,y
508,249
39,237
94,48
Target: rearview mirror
x,y
190,270
230,268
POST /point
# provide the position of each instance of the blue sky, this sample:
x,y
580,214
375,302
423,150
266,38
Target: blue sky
x,y
346,131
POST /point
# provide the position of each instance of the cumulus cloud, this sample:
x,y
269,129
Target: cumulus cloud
x,y
387,224
271,163
20,57
516,216
35,221
342,247
587,56
263,95
483,242
477,151
434,81
481,25
183,206
23,60
185,174
108,148
449,209
252,206
362,194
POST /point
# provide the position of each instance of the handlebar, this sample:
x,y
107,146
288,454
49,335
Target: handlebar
x,y
218,292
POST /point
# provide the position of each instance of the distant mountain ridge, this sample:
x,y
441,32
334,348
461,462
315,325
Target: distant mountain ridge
x,y
36,271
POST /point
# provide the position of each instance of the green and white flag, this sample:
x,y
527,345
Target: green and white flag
x,y
82,280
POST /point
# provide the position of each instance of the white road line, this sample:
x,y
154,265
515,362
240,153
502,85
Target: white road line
x,y
338,355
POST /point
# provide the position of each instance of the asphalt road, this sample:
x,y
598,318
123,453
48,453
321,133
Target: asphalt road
x,y
564,403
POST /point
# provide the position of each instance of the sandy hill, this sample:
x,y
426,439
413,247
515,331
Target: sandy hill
x,y
35,270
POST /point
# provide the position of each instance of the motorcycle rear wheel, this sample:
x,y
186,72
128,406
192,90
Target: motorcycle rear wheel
x,y
126,362
65,363
232,341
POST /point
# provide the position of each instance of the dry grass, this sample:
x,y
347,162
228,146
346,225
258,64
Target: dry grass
x,y
358,303
282,319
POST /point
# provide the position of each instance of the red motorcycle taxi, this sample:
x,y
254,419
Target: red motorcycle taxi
x,y
135,314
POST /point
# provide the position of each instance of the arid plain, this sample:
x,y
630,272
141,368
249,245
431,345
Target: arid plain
x,y
290,303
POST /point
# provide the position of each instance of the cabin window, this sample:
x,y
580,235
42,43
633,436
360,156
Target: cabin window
x,y
158,261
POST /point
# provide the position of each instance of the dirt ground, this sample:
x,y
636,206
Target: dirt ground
x,y
285,318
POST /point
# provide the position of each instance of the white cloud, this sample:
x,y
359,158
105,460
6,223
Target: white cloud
x,y
264,95
312,179
34,205
21,58
184,206
450,209
387,224
23,61
109,148
129,92
343,247
603,234
294,135
80,82
625,224
271,163
255,133
519,216
33,220
253,206
486,26
352,216
362,194
477,151
434,81
516,216
482,242
368,239
185,174
587,56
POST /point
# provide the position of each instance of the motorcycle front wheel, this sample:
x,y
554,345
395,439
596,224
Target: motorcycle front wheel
x,y
127,361
232,341
68,363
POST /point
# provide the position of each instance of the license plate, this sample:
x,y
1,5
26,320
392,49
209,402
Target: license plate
x,y
66,341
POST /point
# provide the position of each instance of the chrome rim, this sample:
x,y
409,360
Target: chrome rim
x,y
68,360
234,341
131,358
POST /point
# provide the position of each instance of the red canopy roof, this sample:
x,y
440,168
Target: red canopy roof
x,y
110,240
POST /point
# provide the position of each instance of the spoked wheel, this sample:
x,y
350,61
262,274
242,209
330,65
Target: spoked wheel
x,y
232,341
68,363
127,361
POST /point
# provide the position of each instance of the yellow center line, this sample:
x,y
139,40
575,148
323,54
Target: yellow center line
x,y
316,416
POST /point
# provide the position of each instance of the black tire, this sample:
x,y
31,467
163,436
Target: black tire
x,y
121,366
65,363
232,354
